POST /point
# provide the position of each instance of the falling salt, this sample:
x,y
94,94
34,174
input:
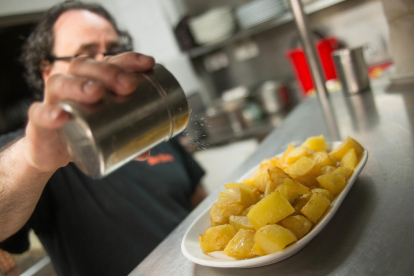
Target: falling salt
x,y
195,137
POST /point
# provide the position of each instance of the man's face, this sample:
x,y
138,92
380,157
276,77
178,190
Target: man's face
x,y
80,31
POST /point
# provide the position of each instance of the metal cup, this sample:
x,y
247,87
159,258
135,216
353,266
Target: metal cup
x,y
352,70
102,137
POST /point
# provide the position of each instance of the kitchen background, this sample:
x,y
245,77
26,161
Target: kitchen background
x,y
238,78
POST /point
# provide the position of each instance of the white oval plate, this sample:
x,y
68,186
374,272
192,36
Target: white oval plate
x,y
191,248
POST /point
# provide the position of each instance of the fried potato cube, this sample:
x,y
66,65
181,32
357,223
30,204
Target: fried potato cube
x,y
257,250
350,160
282,159
295,187
327,170
346,172
285,167
299,225
302,166
249,181
274,161
261,181
321,159
333,160
216,237
344,147
307,180
277,175
315,207
316,143
334,183
240,222
325,193
269,210
231,185
357,146
291,190
270,188
241,245
300,202
296,153
264,166
273,238
244,185
283,192
245,195
220,214
246,211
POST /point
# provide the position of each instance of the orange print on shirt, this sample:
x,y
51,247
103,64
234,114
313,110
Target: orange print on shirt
x,y
160,158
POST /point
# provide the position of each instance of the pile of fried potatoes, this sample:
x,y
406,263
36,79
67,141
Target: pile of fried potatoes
x,y
285,198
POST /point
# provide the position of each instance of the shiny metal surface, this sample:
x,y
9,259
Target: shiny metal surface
x,y
371,233
352,70
269,97
302,24
102,137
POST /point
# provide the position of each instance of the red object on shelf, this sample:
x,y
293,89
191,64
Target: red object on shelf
x,y
301,69
296,56
325,48
375,71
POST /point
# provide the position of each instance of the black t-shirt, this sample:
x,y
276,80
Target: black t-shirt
x,y
108,226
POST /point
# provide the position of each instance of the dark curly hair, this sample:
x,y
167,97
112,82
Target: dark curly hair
x,y
38,47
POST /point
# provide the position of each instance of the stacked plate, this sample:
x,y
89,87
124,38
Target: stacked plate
x,y
212,26
259,11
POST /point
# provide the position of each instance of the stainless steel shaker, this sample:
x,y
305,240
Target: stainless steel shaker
x,y
104,136
352,70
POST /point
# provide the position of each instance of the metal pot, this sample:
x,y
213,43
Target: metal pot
x,y
269,97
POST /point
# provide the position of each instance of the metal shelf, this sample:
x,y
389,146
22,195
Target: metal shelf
x,y
287,17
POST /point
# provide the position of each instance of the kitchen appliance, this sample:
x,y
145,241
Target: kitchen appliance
x,y
226,117
272,96
228,111
104,136
352,70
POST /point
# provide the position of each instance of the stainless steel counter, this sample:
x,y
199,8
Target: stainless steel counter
x,y
372,232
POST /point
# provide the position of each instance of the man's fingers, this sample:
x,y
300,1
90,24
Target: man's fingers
x,y
111,75
143,156
44,149
114,72
81,89
132,62
47,117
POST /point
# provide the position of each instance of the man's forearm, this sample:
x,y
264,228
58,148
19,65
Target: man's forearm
x,y
20,188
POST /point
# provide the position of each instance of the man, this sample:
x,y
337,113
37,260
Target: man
x,y
88,227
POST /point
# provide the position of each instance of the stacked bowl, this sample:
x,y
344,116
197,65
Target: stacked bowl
x,y
259,11
212,26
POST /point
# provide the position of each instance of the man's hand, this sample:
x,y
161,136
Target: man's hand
x,y
85,82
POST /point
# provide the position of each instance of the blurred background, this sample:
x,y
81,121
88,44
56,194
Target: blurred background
x,y
239,61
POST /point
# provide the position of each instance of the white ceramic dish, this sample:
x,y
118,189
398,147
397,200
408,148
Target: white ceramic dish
x,y
191,248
